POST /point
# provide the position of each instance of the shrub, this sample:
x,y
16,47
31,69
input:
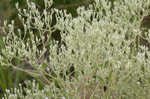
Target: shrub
x,y
99,44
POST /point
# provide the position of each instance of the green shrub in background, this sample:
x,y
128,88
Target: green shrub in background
x,y
98,45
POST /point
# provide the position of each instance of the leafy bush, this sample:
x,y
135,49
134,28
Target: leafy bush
x,y
99,44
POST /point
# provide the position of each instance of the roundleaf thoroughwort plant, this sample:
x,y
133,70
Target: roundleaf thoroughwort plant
x,y
99,44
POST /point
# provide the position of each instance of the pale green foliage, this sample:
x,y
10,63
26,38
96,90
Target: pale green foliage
x,y
97,38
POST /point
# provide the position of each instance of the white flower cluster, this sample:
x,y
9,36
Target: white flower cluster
x,y
100,43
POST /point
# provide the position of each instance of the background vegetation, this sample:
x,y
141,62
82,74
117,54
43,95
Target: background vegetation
x,y
95,56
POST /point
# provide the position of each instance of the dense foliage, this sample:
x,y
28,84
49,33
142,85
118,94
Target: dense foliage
x,y
11,78
100,44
